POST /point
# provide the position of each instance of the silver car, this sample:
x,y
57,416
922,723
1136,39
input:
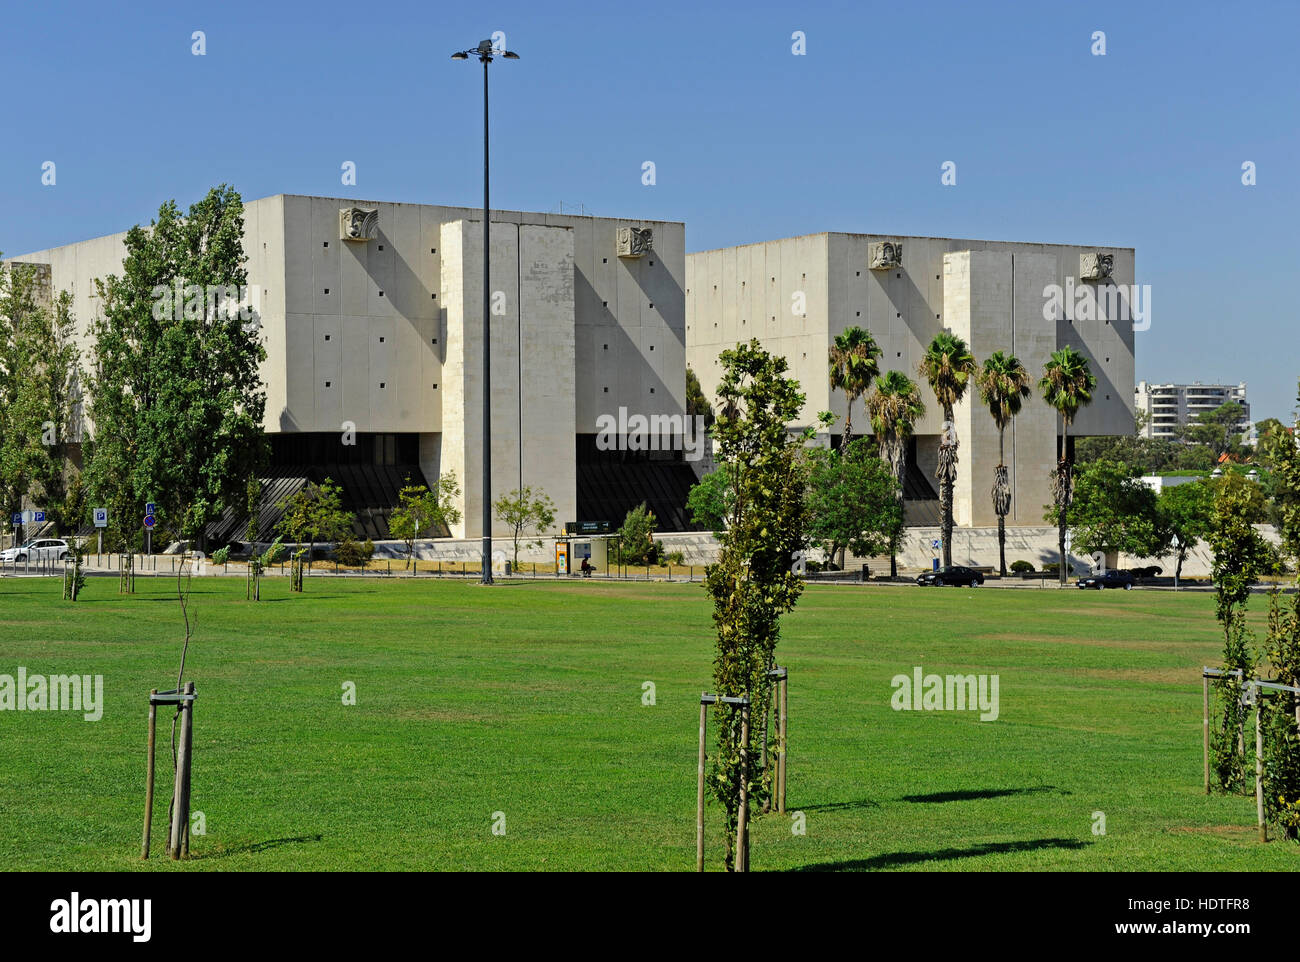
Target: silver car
x,y
37,549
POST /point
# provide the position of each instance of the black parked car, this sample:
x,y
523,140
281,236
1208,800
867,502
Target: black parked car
x,y
1111,579
951,575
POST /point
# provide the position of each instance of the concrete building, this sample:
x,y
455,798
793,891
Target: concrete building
x,y
795,296
372,316
1170,406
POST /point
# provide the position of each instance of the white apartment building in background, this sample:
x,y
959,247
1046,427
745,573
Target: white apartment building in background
x,y
1170,406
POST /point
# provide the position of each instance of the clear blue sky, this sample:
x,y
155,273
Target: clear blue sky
x,y
1142,147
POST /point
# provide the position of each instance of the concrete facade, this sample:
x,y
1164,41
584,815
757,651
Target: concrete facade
x,y
379,333
796,295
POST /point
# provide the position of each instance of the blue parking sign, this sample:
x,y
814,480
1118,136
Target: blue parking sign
x,y
18,518
40,516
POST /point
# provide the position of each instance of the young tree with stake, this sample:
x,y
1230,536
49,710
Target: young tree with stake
x,y
752,584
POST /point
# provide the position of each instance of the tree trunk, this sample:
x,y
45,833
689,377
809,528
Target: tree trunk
x,y
1001,502
946,473
896,453
1065,482
848,425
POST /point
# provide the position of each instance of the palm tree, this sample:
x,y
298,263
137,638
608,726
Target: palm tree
x,y
1004,384
895,408
1066,385
853,366
947,365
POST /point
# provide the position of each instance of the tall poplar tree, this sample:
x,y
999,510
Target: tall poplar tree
x,y
177,399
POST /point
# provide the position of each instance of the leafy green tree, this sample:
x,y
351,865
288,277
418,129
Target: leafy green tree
x,y
854,364
177,400
1185,512
1003,384
895,407
696,402
1241,556
947,367
752,584
1216,430
39,385
421,510
1066,385
852,501
1113,511
636,536
524,509
1282,457
315,513
1268,431
1281,716
710,500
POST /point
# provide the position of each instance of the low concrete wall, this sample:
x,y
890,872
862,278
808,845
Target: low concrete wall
x,y
977,547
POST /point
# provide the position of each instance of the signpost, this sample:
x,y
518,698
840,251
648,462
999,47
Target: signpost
x,y
1174,541
149,522
934,546
1069,565
101,522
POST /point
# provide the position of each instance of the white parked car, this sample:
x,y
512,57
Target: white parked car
x,y
37,549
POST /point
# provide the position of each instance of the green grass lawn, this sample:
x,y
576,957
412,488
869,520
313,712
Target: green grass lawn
x,y
527,699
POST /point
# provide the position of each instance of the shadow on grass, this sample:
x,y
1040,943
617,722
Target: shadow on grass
x,y
894,859
970,795
252,848
840,806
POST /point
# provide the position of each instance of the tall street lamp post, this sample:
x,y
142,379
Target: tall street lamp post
x,y
485,54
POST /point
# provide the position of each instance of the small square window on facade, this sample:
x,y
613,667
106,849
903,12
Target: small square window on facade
x,y
652,347
605,348
652,307
604,260
435,387
606,390
433,250
381,385
858,314
381,293
381,340
326,244
327,290
898,275
381,246
327,337
327,383
434,298
435,340
604,303
652,391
